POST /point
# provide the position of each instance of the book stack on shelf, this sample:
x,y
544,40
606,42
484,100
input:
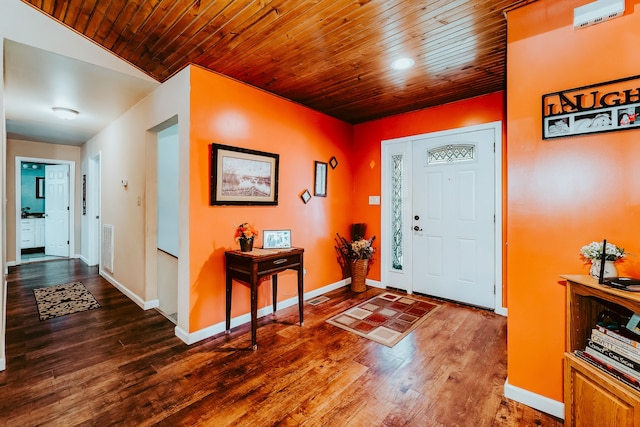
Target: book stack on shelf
x,y
615,349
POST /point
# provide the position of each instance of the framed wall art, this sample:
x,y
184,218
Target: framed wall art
x,y
603,107
84,194
305,196
243,177
320,181
333,162
39,187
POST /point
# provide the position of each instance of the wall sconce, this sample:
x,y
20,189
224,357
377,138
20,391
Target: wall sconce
x,y
65,113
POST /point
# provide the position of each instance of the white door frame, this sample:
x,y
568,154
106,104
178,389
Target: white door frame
x,y
18,199
403,147
93,186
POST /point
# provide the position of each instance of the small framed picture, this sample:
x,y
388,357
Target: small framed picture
x,y
333,162
276,239
39,187
320,181
305,196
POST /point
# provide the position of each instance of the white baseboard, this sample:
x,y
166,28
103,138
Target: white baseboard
x,y
3,363
86,261
199,335
502,311
145,305
375,284
536,401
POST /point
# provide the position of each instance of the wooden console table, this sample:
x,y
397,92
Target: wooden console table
x,y
250,267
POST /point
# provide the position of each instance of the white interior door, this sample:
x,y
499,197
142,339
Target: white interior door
x,y
453,214
56,207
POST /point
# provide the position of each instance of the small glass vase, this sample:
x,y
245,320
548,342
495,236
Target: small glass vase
x,y
610,269
246,245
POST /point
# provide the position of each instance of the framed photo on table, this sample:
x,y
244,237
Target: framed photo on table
x,y
276,239
243,177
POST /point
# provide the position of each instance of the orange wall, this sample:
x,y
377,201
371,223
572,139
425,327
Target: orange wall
x,y
367,147
231,113
567,192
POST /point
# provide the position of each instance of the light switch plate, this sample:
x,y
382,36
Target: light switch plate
x,y
374,200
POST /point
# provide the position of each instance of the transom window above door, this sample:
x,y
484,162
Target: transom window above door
x,y
451,153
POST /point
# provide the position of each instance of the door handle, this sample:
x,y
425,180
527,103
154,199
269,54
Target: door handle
x,y
416,228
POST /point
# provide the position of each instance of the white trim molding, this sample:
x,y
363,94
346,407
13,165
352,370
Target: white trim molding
x,y
536,401
145,305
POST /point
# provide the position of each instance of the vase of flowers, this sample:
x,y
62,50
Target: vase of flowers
x,y
245,234
593,253
356,253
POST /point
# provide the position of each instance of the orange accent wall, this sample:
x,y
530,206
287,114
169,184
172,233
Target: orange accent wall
x,y
567,192
367,148
232,113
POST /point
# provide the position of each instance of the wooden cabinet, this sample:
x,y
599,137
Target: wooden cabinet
x,y
31,233
592,397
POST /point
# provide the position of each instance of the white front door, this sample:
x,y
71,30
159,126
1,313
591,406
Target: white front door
x,y
56,207
453,214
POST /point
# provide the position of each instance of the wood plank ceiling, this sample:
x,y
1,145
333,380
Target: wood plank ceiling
x,y
331,55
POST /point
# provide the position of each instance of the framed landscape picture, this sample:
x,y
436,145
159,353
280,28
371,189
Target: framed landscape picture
x,y
243,177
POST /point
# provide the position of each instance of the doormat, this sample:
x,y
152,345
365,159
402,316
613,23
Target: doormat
x,y
60,300
386,318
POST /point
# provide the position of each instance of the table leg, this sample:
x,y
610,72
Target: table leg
x,y
274,283
301,292
254,314
229,287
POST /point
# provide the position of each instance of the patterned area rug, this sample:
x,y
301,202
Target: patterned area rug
x,y
386,318
56,301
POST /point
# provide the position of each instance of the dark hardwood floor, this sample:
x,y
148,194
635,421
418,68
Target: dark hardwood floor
x,y
120,365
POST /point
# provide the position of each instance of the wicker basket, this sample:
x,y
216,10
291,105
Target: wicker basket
x,y
359,275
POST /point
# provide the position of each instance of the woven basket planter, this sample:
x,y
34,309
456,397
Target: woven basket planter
x,y
359,275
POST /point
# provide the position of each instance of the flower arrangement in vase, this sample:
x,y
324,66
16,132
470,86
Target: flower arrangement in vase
x,y
593,253
355,255
244,235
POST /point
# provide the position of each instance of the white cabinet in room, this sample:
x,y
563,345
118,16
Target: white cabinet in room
x,y
39,233
27,233
31,233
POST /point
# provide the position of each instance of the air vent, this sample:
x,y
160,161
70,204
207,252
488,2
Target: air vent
x,y
106,248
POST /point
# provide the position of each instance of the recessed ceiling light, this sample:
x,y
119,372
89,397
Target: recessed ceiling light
x,y
402,63
65,113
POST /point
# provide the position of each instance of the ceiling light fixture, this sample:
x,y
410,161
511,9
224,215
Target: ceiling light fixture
x,y
65,113
402,63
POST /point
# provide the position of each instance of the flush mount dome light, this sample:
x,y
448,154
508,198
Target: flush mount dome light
x,y
402,63
65,113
